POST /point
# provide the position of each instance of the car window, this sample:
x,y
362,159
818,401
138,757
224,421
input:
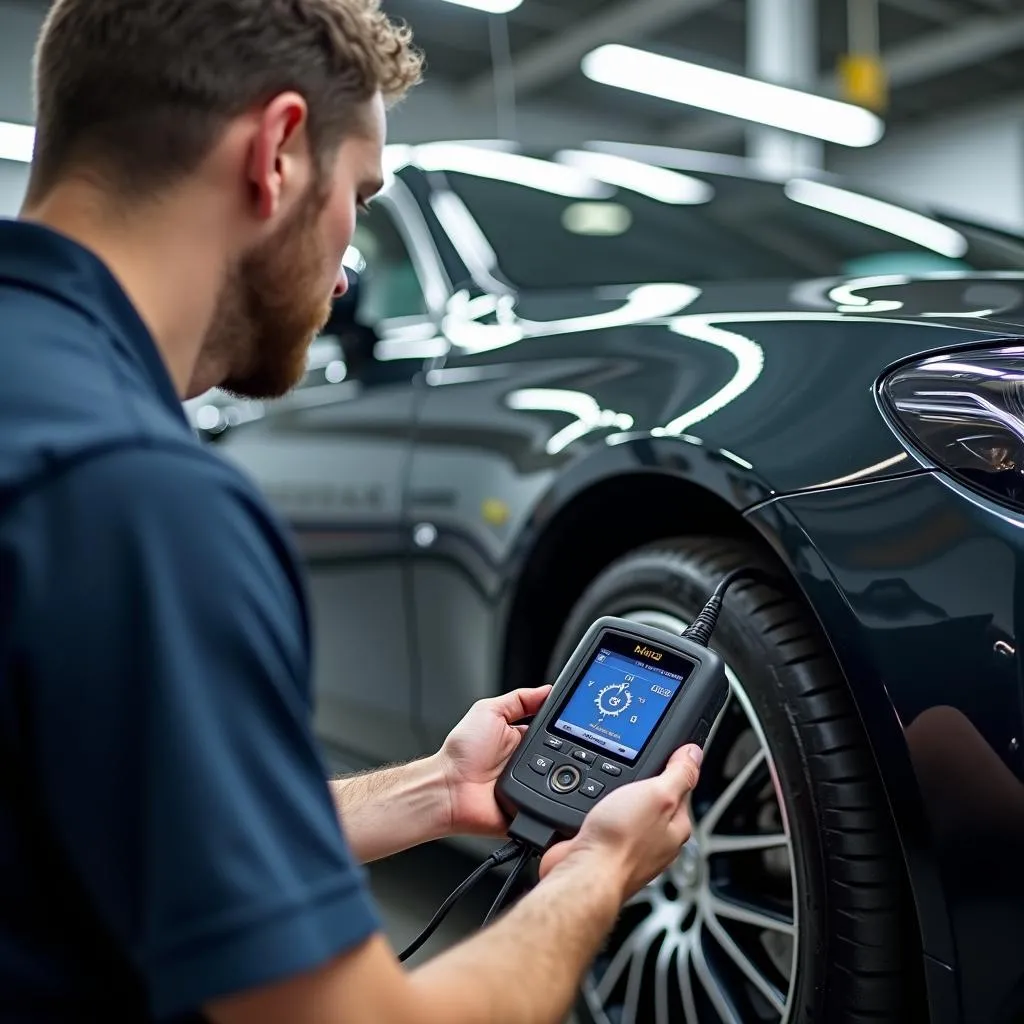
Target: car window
x,y
747,230
390,285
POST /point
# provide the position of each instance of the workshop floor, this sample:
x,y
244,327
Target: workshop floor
x,y
411,886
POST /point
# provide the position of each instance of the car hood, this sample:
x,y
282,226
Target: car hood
x,y
779,377
989,302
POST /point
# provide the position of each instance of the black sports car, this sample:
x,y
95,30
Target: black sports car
x,y
592,381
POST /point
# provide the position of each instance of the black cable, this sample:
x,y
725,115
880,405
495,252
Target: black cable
x,y
513,876
700,630
502,856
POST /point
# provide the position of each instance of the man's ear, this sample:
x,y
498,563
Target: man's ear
x,y
280,161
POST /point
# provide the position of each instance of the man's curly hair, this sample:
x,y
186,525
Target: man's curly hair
x,y
138,91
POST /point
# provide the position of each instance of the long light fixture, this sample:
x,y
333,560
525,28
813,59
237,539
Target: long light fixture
x,y
16,142
635,176
652,74
896,220
489,6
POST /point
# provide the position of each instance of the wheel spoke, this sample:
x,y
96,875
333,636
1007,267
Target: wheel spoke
x,y
776,999
635,945
662,980
725,799
716,991
631,1005
759,918
741,844
685,985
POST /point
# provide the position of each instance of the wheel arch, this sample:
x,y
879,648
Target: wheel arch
x,y
637,491
653,500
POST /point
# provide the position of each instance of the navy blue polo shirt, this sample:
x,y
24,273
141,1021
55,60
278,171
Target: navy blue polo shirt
x,y
166,830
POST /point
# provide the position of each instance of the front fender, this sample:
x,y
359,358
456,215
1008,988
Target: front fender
x,y
918,590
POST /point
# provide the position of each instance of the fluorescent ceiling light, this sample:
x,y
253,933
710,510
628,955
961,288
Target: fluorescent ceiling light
x,y
735,95
635,176
489,6
16,142
896,220
491,163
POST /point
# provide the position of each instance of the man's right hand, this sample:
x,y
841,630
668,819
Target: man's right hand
x,y
637,829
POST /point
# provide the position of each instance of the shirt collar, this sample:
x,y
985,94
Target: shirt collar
x,y
39,258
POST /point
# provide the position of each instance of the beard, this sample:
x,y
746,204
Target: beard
x,y
272,305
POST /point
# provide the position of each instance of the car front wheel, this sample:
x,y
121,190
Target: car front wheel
x,y
789,902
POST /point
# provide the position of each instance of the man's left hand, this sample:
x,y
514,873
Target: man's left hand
x,y
475,753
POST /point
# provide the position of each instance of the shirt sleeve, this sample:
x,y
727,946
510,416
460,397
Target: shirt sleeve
x,y
170,727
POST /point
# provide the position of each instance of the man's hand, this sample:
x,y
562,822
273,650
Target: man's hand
x,y
449,793
475,753
635,832
627,839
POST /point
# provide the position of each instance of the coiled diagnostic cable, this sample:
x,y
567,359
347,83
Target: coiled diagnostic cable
x,y
531,840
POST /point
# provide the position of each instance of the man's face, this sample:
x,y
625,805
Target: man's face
x,y
278,297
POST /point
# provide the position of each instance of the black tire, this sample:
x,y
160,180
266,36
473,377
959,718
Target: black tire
x,y
857,957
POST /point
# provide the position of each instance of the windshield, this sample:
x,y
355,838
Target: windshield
x,y
738,229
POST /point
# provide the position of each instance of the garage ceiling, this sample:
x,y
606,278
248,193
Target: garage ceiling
x,y
941,54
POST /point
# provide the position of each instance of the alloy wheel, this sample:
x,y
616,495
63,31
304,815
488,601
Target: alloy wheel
x,y
714,939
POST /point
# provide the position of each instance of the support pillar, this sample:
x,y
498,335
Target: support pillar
x,y
782,47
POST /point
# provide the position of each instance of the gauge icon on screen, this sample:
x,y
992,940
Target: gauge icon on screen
x,y
614,699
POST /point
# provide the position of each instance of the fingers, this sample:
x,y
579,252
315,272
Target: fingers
x,y
680,827
683,767
681,773
520,703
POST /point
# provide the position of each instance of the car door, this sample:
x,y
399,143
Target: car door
x,y
333,458
527,376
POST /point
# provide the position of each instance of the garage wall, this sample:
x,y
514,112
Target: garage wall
x,y
971,163
433,111
21,20
430,112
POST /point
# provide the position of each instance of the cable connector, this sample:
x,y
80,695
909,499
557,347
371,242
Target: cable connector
x,y
700,630
531,832
525,853
508,852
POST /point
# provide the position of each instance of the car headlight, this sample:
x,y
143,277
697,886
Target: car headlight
x,y
965,411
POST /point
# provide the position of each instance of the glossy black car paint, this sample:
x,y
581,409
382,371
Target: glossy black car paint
x,y
442,518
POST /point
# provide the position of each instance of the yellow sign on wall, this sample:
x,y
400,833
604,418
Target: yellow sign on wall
x,y
862,80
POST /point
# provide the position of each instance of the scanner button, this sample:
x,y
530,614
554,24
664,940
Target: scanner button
x,y
541,765
610,769
592,788
584,755
554,743
565,779
702,732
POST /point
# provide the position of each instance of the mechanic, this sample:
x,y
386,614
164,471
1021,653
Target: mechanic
x,y
170,846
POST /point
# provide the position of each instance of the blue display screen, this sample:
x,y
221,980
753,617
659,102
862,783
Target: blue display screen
x,y
621,698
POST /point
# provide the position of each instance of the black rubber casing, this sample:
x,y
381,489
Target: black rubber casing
x,y
689,719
